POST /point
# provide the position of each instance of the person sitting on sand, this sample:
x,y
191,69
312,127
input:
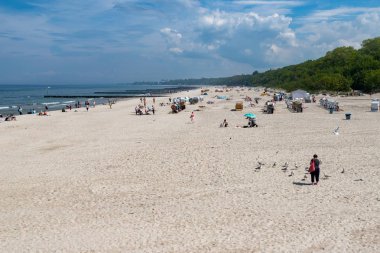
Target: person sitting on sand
x,y
252,122
42,113
225,123
10,118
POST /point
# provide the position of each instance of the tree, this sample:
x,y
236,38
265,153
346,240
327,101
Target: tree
x,y
371,47
372,81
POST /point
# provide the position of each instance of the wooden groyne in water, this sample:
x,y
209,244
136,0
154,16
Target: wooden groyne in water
x,y
127,93
101,96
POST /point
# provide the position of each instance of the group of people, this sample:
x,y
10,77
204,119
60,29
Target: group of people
x,y
141,110
9,117
78,104
31,111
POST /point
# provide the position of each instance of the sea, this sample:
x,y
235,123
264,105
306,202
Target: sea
x,y
38,97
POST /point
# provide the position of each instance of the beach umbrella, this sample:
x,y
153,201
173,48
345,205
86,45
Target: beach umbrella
x,y
250,115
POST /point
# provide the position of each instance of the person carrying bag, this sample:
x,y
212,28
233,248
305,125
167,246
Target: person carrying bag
x,y
314,169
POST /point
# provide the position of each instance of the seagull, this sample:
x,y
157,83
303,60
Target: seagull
x,y
336,131
260,163
274,165
342,171
258,167
325,176
291,174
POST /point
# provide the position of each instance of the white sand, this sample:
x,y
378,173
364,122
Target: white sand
x,y
111,181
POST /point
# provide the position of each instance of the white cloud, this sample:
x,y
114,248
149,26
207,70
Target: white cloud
x,y
281,3
172,34
248,52
289,37
176,50
239,36
320,37
338,13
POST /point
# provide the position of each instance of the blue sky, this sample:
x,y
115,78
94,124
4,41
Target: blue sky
x,y
117,41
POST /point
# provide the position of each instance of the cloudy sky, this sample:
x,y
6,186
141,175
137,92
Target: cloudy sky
x,y
116,41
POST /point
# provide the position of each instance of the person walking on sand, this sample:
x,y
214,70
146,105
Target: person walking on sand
x,y
314,169
192,116
94,103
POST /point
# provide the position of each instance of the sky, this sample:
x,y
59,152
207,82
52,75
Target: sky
x,y
121,41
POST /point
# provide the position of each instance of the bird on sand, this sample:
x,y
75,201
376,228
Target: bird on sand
x,y
274,165
342,171
336,131
291,174
325,176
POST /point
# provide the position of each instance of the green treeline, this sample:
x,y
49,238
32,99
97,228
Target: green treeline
x,y
342,69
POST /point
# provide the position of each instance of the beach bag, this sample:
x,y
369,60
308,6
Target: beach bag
x,y
312,166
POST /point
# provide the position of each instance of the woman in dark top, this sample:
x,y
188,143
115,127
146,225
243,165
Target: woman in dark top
x,y
315,173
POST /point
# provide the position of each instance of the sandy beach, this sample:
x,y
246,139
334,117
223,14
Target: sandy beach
x,y
108,180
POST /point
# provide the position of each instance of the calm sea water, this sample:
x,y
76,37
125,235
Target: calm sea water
x,y
32,96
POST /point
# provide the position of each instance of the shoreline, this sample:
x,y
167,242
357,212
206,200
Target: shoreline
x,y
100,99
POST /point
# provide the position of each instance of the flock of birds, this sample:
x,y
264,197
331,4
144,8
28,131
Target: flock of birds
x,y
285,168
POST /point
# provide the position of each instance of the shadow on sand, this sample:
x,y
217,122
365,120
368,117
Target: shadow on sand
x,y
301,183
